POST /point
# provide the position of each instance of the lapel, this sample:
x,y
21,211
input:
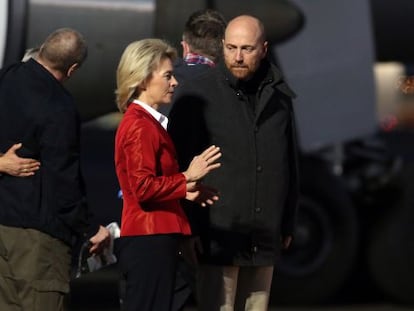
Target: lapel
x,y
149,118
272,83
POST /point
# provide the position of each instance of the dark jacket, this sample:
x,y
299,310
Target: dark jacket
x,y
37,111
257,181
184,71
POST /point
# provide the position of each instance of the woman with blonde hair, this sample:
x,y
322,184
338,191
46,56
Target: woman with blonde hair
x,y
145,159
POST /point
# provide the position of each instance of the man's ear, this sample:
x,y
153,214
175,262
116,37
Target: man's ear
x,y
265,47
186,48
71,70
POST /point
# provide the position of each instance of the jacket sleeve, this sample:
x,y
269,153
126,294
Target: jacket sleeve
x,y
290,212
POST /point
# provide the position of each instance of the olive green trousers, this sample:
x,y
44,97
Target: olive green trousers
x,y
34,270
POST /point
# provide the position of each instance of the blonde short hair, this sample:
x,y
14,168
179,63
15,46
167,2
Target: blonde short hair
x,y
138,61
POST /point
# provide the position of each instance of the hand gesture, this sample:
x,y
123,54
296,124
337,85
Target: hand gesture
x,y
12,164
202,164
201,194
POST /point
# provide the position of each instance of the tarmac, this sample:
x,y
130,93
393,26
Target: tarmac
x,y
99,291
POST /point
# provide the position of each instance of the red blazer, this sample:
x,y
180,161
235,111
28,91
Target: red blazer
x,y
147,170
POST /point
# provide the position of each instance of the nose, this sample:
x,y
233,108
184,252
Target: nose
x,y
239,55
174,81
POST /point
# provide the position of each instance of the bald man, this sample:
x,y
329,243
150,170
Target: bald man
x,y
244,106
42,214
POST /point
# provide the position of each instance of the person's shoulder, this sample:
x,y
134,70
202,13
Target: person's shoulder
x,y
184,71
136,121
9,69
275,70
18,71
136,114
39,80
206,76
197,87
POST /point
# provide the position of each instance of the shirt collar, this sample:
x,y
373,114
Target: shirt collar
x,y
194,58
162,119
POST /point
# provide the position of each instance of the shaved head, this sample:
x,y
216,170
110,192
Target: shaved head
x,y
244,46
246,24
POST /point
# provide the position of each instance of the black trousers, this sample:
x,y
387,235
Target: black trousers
x,y
151,281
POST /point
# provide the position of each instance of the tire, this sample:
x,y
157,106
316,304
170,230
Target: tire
x,y
390,250
325,243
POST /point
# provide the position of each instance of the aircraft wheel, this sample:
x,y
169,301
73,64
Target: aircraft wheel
x,y
325,244
391,250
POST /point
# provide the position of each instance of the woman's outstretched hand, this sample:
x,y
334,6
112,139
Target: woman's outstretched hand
x,y
202,164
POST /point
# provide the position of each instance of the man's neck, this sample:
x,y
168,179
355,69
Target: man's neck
x,y
56,73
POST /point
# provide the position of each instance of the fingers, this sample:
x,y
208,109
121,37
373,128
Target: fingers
x,y
203,164
97,248
94,249
15,147
213,166
26,174
30,162
214,158
100,241
203,197
211,154
29,168
19,167
209,201
207,198
210,150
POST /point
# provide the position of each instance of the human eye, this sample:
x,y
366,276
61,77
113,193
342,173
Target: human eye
x,y
230,48
168,76
248,49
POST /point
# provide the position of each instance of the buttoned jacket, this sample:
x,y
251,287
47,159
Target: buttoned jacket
x,y
258,178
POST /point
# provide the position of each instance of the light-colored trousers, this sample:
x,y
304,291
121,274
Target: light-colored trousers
x,y
231,288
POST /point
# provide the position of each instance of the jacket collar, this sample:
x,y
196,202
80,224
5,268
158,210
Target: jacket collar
x,y
266,72
269,73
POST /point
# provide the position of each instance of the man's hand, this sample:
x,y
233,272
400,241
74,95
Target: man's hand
x,y
286,241
100,240
12,164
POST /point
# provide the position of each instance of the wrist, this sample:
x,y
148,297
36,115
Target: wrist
x,y
188,178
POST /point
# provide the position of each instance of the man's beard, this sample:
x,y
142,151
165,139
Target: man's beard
x,y
240,71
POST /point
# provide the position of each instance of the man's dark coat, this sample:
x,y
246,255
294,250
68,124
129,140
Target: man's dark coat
x,y
37,111
257,181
